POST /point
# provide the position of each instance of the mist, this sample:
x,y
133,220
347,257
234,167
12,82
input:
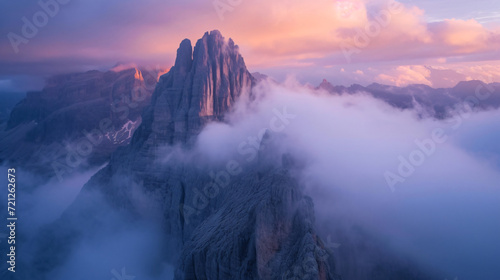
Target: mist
x,y
441,215
109,245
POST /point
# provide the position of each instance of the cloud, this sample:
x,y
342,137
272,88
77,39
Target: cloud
x,y
437,76
466,35
405,75
94,247
439,216
434,73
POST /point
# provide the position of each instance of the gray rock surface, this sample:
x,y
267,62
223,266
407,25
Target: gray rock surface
x,y
201,87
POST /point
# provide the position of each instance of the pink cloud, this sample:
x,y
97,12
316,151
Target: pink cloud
x,y
405,75
437,75
463,36
273,35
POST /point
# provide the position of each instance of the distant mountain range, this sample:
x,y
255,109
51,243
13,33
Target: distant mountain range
x,y
429,102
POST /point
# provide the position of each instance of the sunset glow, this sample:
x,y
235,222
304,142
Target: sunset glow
x,y
395,38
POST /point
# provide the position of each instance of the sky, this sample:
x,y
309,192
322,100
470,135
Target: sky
x,y
437,43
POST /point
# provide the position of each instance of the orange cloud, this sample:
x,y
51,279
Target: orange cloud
x,y
466,35
438,75
280,31
405,75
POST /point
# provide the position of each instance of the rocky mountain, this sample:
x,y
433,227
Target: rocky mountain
x,y
248,221
217,220
201,87
438,103
76,121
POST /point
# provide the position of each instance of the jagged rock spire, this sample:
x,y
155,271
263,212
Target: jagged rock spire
x,y
202,86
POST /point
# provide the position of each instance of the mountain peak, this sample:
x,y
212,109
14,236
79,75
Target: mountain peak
x,y
201,87
469,84
213,34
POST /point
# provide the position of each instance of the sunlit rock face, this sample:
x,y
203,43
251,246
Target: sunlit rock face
x,y
201,87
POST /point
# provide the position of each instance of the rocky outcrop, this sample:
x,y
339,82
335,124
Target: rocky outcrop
x,y
263,228
201,87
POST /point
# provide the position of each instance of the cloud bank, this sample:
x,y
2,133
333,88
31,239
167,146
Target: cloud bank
x,y
442,216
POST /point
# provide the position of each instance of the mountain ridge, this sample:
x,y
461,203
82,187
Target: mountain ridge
x,y
431,102
76,121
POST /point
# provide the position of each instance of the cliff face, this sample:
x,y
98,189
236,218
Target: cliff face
x,y
262,227
201,87
77,120
247,222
